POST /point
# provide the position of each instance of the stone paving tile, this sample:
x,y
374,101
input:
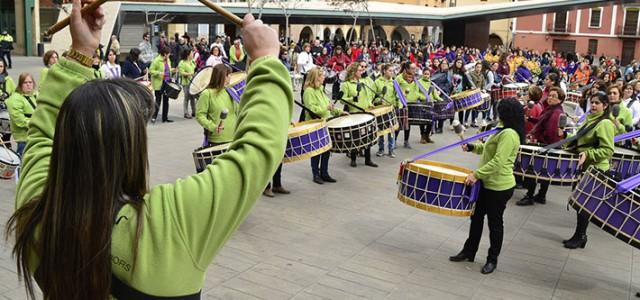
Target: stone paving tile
x,y
355,240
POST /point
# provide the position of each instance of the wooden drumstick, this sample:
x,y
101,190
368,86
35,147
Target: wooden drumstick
x,y
65,22
223,12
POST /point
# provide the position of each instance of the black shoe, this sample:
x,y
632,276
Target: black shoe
x,y
167,121
461,257
573,237
353,163
489,267
581,242
540,200
371,164
328,179
526,201
318,180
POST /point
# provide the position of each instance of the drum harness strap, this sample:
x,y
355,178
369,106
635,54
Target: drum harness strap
x,y
30,103
583,131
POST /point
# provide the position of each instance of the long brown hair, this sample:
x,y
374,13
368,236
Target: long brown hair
x,y
21,79
98,164
219,76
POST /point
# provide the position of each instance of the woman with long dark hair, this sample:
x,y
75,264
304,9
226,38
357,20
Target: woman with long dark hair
x,y
88,227
498,183
595,148
133,67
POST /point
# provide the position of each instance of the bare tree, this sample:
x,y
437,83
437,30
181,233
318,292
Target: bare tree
x,y
287,7
166,18
354,8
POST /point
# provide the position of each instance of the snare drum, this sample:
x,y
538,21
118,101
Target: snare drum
x,y
307,139
558,167
353,132
386,119
625,163
486,103
467,100
420,113
204,156
5,123
437,187
9,161
441,112
172,89
616,213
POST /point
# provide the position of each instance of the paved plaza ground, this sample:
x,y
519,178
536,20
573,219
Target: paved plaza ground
x,y
355,240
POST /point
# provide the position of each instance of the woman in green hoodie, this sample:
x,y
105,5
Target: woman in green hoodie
x,y
430,94
496,174
88,226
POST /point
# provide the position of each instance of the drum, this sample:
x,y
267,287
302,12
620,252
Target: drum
x,y
403,118
466,100
386,119
513,90
496,93
574,96
204,156
616,213
437,187
307,139
420,113
172,89
200,81
353,132
9,161
5,122
486,103
559,167
441,112
625,163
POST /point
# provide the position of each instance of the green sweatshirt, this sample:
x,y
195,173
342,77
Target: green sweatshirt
x,y
157,72
9,85
427,84
210,104
496,163
350,90
414,92
390,95
232,54
625,118
20,112
602,135
316,100
186,67
187,222
43,74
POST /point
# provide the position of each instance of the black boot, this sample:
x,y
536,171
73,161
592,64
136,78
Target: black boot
x,y
461,257
581,242
526,201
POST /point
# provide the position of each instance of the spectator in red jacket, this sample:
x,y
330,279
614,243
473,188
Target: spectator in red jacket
x,y
339,61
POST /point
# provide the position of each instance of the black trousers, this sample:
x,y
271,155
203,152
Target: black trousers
x,y
304,79
367,155
320,164
161,97
424,130
492,204
7,60
531,184
277,178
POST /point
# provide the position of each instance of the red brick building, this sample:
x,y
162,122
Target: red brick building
x,y
611,30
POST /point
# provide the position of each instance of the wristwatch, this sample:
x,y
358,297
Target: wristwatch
x,y
87,61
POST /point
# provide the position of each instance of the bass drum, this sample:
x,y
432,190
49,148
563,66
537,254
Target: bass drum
x,y
200,81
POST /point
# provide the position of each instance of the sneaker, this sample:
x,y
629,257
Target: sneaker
x,y
392,154
269,193
380,153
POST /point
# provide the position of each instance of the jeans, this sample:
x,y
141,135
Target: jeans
x,y
20,148
490,203
189,100
320,164
277,178
390,140
161,97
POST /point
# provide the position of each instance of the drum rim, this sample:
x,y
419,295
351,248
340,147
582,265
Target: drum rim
x,y
351,114
564,153
241,76
16,156
321,123
194,77
436,209
450,177
207,147
383,109
464,94
625,155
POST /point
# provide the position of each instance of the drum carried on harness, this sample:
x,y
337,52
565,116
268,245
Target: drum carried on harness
x,y
558,167
437,187
420,113
625,163
307,139
386,119
467,100
616,213
513,90
172,89
5,123
486,102
353,132
201,80
204,156
9,162
441,111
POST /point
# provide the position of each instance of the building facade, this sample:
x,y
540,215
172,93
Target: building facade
x,y
611,30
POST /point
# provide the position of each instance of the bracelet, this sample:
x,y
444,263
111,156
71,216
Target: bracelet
x,y
79,57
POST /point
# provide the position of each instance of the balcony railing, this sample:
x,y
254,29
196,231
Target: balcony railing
x,y
551,28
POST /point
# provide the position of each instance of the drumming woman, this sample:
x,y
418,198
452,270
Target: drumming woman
x,y
211,104
69,180
498,182
384,87
21,106
186,68
596,148
356,98
160,72
317,101
406,80
430,94
545,131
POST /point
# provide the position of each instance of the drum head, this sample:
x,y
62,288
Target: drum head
x,y
381,110
522,85
200,81
512,86
236,78
442,170
9,157
216,148
305,126
350,120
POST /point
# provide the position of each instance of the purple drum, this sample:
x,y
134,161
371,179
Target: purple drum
x,y
441,112
437,187
616,213
307,139
486,103
467,100
420,113
625,163
558,167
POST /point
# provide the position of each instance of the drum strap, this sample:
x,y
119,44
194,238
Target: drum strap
x,y
579,134
30,102
424,91
401,95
